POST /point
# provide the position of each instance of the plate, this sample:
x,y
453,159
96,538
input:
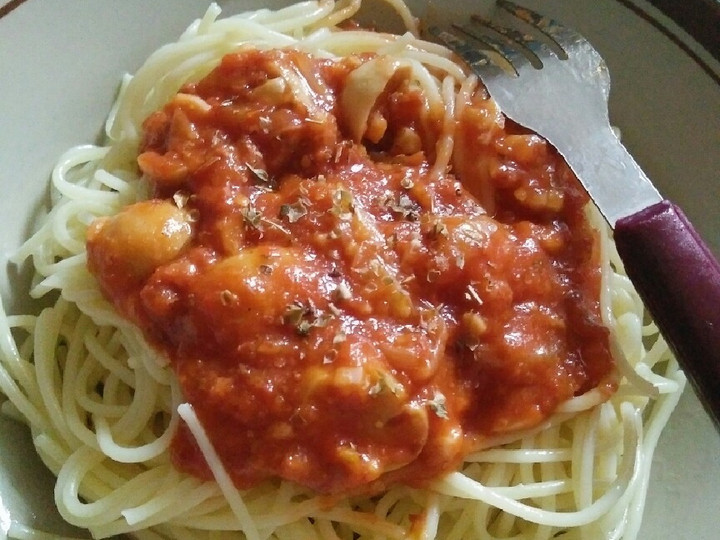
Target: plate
x,y
61,62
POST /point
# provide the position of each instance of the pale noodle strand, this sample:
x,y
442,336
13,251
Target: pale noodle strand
x,y
444,145
622,341
336,16
75,360
141,417
526,455
583,464
19,371
232,495
20,402
658,419
88,379
458,486
136,454
363,521
45,352
177,496
424,53
297,18
343,43
110,362
73,190
106,505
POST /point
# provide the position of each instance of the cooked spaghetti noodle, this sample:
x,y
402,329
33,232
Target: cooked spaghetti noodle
x,y
103,406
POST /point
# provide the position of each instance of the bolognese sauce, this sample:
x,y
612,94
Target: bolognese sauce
x,y
339,312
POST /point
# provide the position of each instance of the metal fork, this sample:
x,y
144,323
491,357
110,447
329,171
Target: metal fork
x,y
560,93
548,78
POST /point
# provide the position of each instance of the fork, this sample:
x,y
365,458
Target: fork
x,y
550,79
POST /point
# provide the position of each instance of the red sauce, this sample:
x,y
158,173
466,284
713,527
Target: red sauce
x,y
337,315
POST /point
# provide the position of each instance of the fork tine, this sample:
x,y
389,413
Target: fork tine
x,y
536,49
560,34
508,51
476,58
570,43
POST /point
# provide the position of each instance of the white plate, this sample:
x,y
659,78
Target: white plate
x,y
60,63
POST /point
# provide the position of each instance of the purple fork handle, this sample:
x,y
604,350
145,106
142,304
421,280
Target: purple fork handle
x,y
678,278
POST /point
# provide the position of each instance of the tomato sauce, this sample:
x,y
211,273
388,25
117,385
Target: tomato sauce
x,y
337,314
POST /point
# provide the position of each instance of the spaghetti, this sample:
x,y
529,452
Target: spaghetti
x,y
103,406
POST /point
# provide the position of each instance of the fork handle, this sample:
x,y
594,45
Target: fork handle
x,y
678,278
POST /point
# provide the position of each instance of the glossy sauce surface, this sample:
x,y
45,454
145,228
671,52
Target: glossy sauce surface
x,y
337,314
